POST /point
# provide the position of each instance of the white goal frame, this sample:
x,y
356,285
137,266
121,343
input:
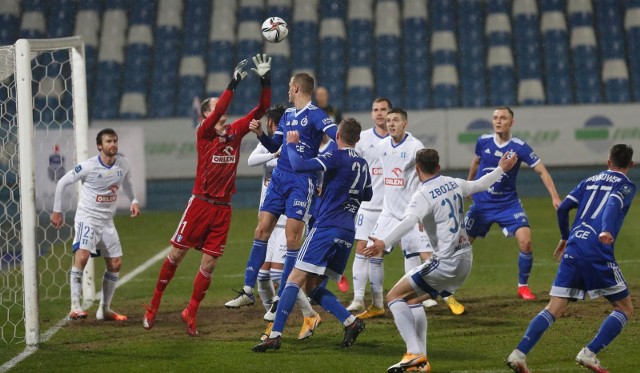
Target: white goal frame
x,y
24,51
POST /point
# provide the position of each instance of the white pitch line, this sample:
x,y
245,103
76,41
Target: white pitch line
x,y
44,337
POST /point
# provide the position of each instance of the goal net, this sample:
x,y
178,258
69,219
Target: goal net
x,y
43,132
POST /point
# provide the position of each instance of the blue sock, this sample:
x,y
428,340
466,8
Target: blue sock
x,y
256,260
537,327
324,282
610,328
285,306
525,262
289,263
330,303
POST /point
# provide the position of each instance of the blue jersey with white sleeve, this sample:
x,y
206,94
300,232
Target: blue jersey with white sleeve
x,y
311,123
602,202
346,184
489,152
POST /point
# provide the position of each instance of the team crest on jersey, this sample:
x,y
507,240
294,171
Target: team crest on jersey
x,y
304,121
327,121
78,169
498,153
397,171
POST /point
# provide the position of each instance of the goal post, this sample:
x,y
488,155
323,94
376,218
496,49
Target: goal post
x,y
44,94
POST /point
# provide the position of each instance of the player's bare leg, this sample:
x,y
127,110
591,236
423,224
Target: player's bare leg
x,y
525,262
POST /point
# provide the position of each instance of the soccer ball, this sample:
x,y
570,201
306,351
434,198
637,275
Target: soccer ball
x,y
274,29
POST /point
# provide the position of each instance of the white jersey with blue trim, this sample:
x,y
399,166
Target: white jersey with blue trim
x,y
400,178
490,152
100,185
268,164
311,122
367,148
594,196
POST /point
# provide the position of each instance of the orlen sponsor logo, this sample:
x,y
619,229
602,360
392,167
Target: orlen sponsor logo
x,y
106,198
224,159
393,181
376,171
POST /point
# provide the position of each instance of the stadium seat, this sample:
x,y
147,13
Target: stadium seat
x,y
280,8
222,38
32,25
304,35
360,88
610,33
108,88
499,55
527,47
360,33
417,87
60,19
280,70
331,68
632,28
444,77
472,53
559,89
88,26
10,21
162,96
249,44
445,86
388,65
586,70
616,80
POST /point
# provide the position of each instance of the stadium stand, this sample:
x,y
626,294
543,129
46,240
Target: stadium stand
x,y
150,58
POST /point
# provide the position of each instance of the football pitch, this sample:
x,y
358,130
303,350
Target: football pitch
x,y
477,341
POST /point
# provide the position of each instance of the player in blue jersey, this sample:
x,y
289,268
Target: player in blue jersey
x,y
588,265
327,247
290,192
500,203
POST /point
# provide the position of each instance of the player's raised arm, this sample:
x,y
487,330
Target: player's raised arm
x,y
506,163
297,162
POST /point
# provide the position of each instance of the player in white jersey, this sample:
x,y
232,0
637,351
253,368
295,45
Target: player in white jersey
x,y
439,205
370,210
270,273
95,234
397,160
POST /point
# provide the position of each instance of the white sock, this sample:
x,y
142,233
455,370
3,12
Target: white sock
x,y
360,277
305,306
411,263
75,282
247,289
406,324
349,320
376,276
109,281
265,289
420,318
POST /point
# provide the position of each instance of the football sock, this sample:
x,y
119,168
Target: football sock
x,y
538,325
360,276
376,276
75,281
411,263
256,260
289,263
406,324
166,274
285,306
109,281
305,306
330,303
525,262
265,288
200,286
276,278
420,319
610,328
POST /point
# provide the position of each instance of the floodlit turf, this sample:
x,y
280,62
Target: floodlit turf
x,y
477,341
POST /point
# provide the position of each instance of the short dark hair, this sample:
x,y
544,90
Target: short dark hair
x,y
275,112
428,160
349,130
507,109
204,106
305,81
620,155
397,110
383,99
106,131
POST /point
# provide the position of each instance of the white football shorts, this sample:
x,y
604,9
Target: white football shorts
x,y
99,240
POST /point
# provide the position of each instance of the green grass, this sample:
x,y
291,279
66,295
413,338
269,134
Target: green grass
x,y
479,340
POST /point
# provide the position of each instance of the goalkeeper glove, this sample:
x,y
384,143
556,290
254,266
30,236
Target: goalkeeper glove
x,y
238,75
263,68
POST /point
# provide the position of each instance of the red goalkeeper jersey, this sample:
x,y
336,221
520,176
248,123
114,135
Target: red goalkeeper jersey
x,y
218,156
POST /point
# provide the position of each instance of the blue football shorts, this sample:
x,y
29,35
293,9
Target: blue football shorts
x,y
326,251
510,218
289,193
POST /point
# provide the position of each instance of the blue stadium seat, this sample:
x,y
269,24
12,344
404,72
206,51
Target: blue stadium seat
x,y
388,68
32,25
499,55
333,8
279,8
360,33
61,16
331,68
10,21
417,87
472,53
251,10
558,83
222,38
632,27
527,46
360,88
615,75
304,35
162,96
87,25
444,49
586,66
249,44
